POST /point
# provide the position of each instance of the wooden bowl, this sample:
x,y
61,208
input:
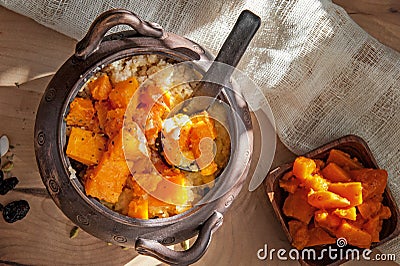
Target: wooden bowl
x,y
356,147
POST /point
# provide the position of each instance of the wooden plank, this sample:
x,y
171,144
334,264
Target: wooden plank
x,y
42,238
29,50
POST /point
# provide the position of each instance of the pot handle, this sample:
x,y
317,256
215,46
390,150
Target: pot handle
x,y
103,23
194,253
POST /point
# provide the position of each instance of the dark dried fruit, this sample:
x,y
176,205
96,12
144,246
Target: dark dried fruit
x,y
1,207
8,184
15,211
1,176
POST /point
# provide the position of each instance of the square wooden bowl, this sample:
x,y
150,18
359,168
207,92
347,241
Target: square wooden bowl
x,y
356,147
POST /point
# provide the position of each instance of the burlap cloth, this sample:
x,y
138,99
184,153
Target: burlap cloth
x,y
323,75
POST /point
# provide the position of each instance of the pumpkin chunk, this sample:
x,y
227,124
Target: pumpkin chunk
x,y
296,206
327,200
114,122
289,182
343,160
85,146
318,236
373,181
347,213
102,109
369,208
354,236
122,93
327,221
373,227
299,232
335,173
350,190
81,113
108,178
304,169
100,88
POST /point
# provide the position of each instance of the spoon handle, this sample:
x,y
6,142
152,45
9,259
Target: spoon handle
x,y
230,54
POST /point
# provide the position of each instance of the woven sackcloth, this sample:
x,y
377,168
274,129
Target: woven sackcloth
x,y
323,75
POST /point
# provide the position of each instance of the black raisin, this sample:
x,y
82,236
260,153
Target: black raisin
x,y
8,184
1,207
1,176
15,211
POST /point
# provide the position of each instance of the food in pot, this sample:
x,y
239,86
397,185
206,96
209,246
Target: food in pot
x,y
335,199
114,128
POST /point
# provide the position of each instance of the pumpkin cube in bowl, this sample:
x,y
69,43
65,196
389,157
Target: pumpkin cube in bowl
x,y
85,146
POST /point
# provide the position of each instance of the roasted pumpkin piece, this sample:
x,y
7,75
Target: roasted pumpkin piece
x,y
327,200
319,236
122,93
289,182
350,190
346,213
114,122
354,235
81,112
109,177
384,212
335,173
327,220
373,226
296,206
369,208
107,180
85,146
299,233
102,108
343,160
100,87
316,182
303,168
373,181
139,208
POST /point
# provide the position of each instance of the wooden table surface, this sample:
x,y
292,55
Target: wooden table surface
x,y
30,54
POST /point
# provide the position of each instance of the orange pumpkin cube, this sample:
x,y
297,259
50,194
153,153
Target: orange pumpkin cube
x,y
335,173
354,235
327,220
373,181
108,178
299,233
296,206
81,112
114,122
373,226
303,168
319,236
122,93
346,213
350,190
369,208
327,200
100,87
343,160
102,109
85,146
